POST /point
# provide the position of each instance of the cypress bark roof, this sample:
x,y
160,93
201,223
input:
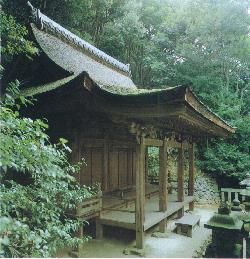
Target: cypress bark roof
x,y
76,55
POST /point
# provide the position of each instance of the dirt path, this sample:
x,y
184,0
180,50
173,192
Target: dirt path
x,y
173,245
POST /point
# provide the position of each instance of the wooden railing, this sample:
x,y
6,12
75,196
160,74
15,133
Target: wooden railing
x,y
231,194
89,208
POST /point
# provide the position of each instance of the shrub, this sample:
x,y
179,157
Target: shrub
x,y
37,186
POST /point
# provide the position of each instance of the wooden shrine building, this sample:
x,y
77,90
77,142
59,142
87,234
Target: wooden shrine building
x,y
90,99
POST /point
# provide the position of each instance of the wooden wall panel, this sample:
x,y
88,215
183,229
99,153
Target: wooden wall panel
x,y
97,165
123,168
130,167
113,170
85,175
134,168
120,165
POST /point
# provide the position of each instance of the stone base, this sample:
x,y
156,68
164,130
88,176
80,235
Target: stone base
x,y
160,235
74,254
134,251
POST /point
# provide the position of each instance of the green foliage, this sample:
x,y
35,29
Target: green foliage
x,y
13,36
153,161
38,186
222,159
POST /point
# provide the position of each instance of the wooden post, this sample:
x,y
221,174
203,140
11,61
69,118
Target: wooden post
x,y
79,234
146,165
191,175
105,164
99,226
163,185
181,173
76,250
99,229
140,193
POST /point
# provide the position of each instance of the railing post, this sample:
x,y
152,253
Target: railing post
x,y
229,197
236,197
222,196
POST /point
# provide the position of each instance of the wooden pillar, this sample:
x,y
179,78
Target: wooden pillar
x,y
78,233
105,164
99,226
146,165
191,174
99,229
163,185
140,193
181,173
76,250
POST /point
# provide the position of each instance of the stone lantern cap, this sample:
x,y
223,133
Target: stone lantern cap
x,y
246,181
223,220
245,192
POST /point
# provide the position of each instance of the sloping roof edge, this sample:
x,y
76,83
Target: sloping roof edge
x,y
190,98
43,88
193,101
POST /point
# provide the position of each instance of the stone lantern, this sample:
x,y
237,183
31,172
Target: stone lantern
x,y
246,181
226,232
245,193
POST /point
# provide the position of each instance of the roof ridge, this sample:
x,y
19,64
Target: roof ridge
x,y
45,21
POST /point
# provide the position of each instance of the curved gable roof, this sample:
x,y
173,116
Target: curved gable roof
x,y
75,55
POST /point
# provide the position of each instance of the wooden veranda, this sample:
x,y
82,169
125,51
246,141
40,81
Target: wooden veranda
x,y
146,205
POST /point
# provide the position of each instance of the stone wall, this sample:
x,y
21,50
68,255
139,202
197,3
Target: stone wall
x,y
206,187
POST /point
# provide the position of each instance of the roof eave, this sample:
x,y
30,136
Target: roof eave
x,y
198,106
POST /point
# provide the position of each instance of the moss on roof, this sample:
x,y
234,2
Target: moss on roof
x,y
125,91
111,89
47,87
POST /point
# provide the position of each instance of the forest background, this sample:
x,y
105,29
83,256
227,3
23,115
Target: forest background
x,y
204,44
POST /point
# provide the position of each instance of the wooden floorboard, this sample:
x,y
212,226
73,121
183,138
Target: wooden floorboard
x,y
114,199
123,215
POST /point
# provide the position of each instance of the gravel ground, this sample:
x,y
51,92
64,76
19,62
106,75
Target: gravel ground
x,y
173,245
